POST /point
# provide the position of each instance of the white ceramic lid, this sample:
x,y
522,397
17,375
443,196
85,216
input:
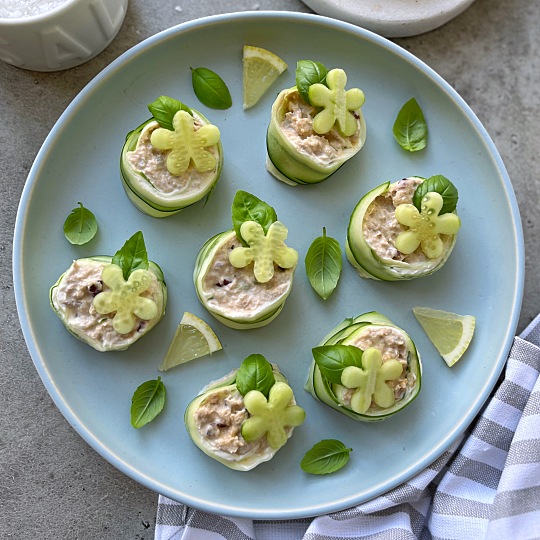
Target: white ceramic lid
x,y
392,18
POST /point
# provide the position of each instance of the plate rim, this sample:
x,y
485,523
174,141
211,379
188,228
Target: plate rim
x,y
41,365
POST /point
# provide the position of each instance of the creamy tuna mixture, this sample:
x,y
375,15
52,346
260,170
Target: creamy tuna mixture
x,y
235,291
73,299
381,228
152,163
219,421
392,345
297,126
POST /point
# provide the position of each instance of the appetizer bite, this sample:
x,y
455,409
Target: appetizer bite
x,y
111,302
172,160
244,418
366,368
315,127
404,230
243,276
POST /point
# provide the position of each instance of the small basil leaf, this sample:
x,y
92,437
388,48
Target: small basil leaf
x,y
323,264
132,256
164,109
410,128
147,402
255,373
210,88
333,359
80,226
325,457
441,185
308,73
247,207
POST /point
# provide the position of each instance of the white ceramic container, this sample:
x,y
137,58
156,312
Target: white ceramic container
x,y
392,18
64,37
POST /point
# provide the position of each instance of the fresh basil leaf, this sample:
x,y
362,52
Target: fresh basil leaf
x,y
308,73
147,402
164,109
323,264
210,88
255,373
325,457
80,226
441,185
247,207
132,256
410,128
333,359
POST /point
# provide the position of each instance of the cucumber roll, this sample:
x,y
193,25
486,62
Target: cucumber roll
x,y
172,160
314,128
243,276
242,420
107,305
366,368
404,230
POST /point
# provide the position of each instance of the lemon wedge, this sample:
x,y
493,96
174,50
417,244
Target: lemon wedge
x,y
193,338
260,69
449,332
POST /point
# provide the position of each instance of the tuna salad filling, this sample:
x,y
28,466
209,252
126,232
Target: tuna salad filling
x,y
392,345
219,420
151,163
73,296
235,291
381,228
297,126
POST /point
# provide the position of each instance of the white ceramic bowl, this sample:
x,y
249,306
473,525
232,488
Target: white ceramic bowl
x,y
64,37
392,18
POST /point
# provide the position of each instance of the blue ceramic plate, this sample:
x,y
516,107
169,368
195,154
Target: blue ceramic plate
x,y
79,162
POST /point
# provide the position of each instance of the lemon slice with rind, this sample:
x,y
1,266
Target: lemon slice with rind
x,y
449,332
260,69
193,339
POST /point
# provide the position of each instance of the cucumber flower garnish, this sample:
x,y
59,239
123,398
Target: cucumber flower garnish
x,y
337,104
124,298
370,381
425,226
272,416
263,250
186,144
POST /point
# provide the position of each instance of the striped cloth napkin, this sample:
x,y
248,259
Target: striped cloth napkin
x,y
487,485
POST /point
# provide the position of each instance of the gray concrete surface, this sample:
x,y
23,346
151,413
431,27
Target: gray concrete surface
x,y
52,484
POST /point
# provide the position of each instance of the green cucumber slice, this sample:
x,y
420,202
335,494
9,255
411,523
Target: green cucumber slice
x,y
337,396
368,263
265,251
338,104
271,417
251,456
143,192
125,298
87,325
222,308
287,162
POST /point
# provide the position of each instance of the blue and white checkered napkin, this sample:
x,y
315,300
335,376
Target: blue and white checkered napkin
x,y
486,486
